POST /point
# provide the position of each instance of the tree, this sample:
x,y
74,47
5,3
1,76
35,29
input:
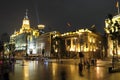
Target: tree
x,y
1,47
4,40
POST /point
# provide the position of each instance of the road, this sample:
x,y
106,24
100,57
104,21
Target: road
x,y
55,70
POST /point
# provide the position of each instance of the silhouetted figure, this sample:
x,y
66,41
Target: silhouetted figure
x,y
80,69
88,66
93,62
6,76
63,75
43,51
11,68
85,62
81,56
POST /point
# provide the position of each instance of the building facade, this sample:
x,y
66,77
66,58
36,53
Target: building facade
x,y
25,38
112,30
85,41
68,45
45,44
54,44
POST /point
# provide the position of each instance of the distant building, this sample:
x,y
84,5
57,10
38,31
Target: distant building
x,y
112,30
68,45
85,41
25,38
45,45
54,44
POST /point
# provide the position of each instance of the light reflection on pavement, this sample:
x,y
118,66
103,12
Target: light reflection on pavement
x,y
39,70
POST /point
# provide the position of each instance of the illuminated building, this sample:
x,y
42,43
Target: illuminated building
x,y
112,30
25,38
85,41
54,44
45,45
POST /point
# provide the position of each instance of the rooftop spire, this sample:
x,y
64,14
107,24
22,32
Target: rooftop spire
x,y
26,14
117,6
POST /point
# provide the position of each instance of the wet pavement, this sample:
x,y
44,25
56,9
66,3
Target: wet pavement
x,y
51,70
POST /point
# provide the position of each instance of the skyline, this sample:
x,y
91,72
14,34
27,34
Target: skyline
x,y
56,14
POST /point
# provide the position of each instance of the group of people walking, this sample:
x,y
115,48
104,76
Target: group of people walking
x,y
86,65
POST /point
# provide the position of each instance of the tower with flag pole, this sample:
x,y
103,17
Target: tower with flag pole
x,y
117,6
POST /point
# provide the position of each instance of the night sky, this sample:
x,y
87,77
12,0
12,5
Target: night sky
x,y
55,14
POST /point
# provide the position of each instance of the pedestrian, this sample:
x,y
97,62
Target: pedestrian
x,y
92,62
95,62
84,64
88,66
63,75
6,75
80,68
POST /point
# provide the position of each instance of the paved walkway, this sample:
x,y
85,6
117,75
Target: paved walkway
x,y
63,69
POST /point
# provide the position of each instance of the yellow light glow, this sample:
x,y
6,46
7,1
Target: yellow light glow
x,y
26,71
93,40
94,50
72,68
90,49
99,72
86,49
72,49
90,40
54,68
41,26
56,50
26,22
